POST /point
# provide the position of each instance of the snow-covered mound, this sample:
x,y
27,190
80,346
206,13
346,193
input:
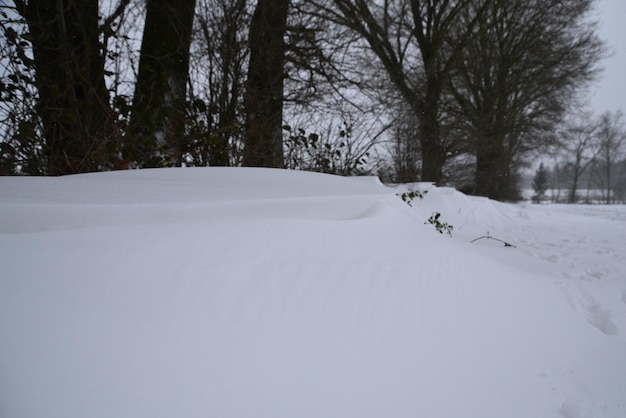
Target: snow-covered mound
x,y
236,292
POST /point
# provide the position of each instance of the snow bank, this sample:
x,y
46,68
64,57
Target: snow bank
x,y
270,293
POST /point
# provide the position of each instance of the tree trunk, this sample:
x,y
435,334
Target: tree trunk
x,y
78,122
433,151
264,88
490,177
158,115
575,177
572,198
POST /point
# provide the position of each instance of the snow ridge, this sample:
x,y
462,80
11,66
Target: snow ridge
x,y
269,293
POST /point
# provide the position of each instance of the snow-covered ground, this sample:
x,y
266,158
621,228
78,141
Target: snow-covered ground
x,y
231,292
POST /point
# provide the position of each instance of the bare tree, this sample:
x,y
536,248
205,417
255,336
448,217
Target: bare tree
x,y
580,142
417,44
219,60
611,135
517,76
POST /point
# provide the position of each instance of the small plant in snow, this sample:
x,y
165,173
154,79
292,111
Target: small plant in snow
x,y
441,227
410,195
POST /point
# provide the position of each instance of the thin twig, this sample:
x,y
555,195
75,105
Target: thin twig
x,y
487,236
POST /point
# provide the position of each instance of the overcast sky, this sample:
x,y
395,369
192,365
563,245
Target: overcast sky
x,y
610,93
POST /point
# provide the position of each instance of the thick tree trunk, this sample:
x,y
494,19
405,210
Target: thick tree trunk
x,y
264,88
78,123
158,116
491,173
433,152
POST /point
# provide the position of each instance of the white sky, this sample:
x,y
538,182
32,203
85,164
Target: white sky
x,y
610,93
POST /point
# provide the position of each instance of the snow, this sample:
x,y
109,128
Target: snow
x,y
232,292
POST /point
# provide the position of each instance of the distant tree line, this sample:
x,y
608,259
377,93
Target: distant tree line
x,y
590,166
460,92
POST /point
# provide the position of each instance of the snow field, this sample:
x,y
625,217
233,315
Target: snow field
x,y
269,293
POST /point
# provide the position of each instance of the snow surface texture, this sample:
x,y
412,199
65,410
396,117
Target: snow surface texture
x,y
229,292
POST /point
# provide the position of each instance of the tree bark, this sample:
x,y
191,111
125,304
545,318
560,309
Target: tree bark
x,y
159,104
489,158
433,150
264,88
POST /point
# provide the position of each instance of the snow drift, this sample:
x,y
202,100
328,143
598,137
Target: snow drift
x,y
230,292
